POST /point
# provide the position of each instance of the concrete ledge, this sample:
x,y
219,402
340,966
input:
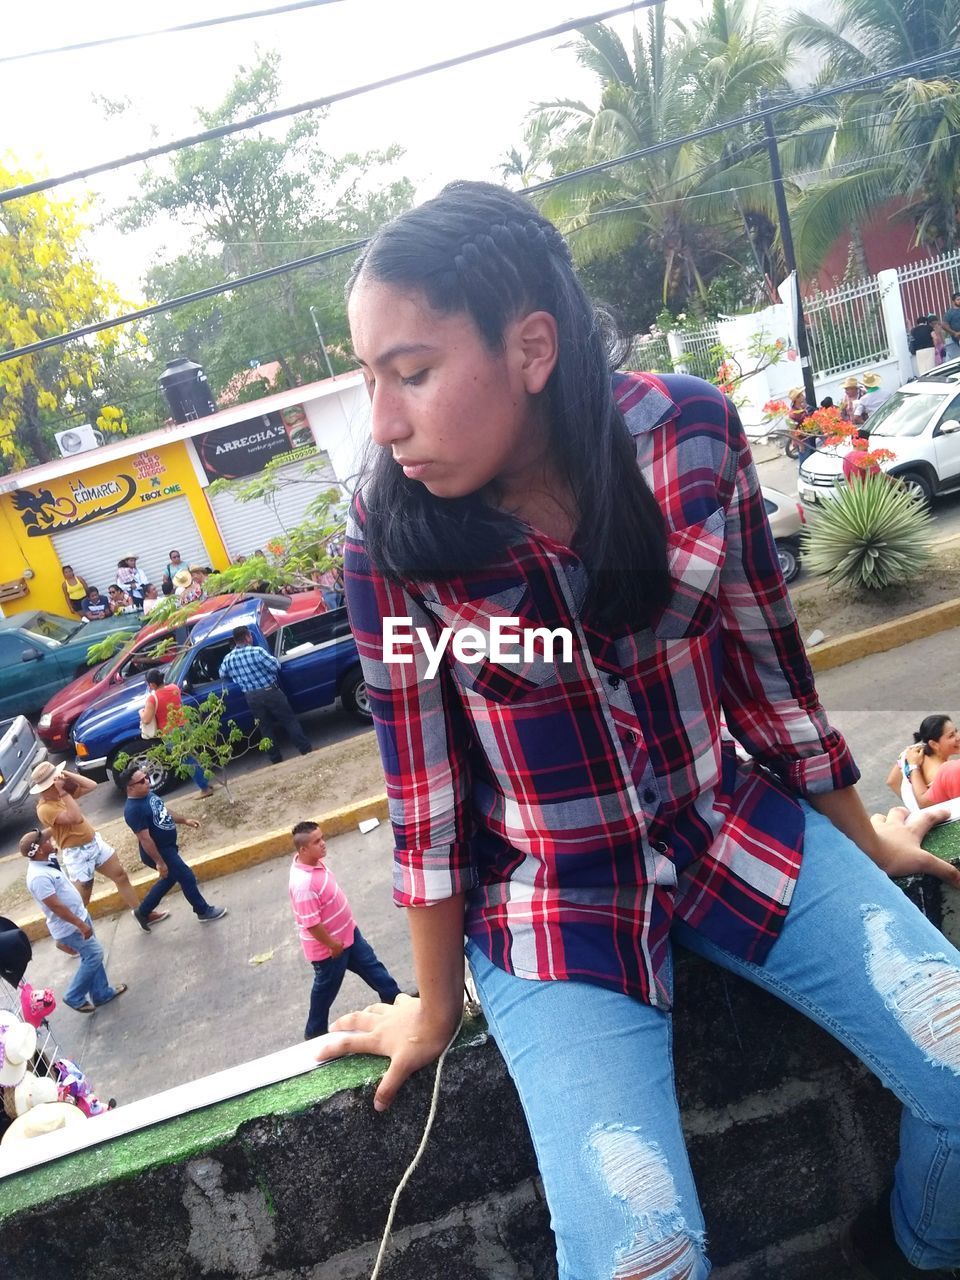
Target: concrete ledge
x,y
221,862
885,636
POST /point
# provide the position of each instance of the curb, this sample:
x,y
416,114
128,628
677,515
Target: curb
x,y
885,636
221,862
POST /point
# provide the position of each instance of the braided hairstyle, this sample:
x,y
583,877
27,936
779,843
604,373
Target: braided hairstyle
x,y
482,250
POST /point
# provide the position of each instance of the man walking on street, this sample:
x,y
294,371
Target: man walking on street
x,y
256,671
83,851
69,922
156,830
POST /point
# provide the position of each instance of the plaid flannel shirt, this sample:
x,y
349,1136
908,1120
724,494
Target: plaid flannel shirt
x,y
582,805
250,666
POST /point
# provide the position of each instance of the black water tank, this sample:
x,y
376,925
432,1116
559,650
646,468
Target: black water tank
x,y
185,386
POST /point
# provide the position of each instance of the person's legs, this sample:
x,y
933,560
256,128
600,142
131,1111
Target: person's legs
x,y
200,779
178,872
79,864
362,960
327,981
259,704
861,960
157,892
605,1124
91,977
283,714
112,868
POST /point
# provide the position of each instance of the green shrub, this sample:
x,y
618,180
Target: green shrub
x,y
873,534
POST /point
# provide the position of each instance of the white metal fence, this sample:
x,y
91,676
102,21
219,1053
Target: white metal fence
x,y
650,353
845,327
699,356
926,287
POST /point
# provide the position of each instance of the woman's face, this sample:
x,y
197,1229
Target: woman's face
x,y
455,414
948,743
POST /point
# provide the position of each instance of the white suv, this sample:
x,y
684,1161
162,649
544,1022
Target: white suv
x,y
919,424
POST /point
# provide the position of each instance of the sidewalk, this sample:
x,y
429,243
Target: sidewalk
x,y
196,1004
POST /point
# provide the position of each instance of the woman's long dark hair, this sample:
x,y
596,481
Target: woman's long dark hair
x,y
931,729
480,249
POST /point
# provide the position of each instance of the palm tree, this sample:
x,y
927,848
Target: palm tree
x,y
900,139
679,200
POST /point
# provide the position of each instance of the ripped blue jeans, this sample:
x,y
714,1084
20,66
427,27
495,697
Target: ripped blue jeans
x,y
594,1071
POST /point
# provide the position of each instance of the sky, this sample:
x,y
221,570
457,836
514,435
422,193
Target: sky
x,y
456,123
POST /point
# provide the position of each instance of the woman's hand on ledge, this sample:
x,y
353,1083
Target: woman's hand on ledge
x,y
400,1032
900,836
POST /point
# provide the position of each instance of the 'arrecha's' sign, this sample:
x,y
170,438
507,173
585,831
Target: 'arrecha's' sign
x,y
244,448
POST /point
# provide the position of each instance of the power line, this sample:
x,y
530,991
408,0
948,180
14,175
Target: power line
x,y
167,31
171,304
267,117
752,117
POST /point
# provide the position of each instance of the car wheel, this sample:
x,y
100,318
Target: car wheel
x,y
916,483
355,698
789,557
161,779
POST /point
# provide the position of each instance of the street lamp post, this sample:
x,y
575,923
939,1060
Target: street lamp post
x,y
313,317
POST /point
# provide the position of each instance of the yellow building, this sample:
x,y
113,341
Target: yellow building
x,y
147,495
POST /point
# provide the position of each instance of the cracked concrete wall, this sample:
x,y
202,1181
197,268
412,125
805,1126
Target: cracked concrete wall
x,y
788,1137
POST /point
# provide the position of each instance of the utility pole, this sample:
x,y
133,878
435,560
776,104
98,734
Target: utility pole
x,y
789,256
313,317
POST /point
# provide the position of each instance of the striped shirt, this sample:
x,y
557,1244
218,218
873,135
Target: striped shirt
x,y
316,898
250,666
582,805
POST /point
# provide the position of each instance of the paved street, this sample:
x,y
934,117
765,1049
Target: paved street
x,y
196,1003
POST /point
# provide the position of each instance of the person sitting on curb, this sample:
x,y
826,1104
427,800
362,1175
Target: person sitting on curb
x,y
83,850
156,830
329,935
256,671
164,707
68,921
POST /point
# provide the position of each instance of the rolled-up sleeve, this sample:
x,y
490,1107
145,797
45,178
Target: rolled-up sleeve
x,y
422,734
768,694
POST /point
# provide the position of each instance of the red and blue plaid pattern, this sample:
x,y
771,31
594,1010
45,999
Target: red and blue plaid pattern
x,y
582,804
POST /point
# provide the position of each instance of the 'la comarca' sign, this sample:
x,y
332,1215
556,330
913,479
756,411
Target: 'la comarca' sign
x,y
92,493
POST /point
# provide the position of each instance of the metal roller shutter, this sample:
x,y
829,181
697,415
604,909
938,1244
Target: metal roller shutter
x,y
94,549
248,526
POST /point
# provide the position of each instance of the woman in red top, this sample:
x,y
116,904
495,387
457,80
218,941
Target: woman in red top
x,y
163,707
575,815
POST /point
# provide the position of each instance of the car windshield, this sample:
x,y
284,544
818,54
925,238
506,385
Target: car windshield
x,y
105,668
47,626
905,414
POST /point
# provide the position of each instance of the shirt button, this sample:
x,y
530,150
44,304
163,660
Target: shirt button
x,y
631,736
649,796
614,682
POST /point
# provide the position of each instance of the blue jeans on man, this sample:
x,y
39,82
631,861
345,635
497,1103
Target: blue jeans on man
x,y
90,979
361,959
178,872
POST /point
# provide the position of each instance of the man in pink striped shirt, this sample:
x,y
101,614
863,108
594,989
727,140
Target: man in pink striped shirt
x,y
328,932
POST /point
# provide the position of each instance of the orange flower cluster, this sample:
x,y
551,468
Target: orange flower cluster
x,y
825,422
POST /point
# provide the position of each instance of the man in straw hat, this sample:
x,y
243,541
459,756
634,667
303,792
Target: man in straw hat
x,y
872,396
83,850
69,922
851,410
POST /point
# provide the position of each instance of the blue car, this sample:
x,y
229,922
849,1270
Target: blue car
x,y
318,664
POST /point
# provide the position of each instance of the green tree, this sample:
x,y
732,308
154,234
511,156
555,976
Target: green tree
x,y
677,202
48,285
256,200
898,139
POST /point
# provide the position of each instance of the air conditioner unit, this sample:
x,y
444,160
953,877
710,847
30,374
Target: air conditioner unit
x,y
78,440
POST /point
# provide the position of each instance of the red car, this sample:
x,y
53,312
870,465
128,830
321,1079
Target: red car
x,y
135,658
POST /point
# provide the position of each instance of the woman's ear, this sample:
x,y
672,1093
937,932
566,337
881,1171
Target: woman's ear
x,y
534,341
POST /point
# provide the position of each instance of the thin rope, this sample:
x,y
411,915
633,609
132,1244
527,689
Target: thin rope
x,y
411,1167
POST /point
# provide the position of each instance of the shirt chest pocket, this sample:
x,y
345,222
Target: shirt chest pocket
x,y
695,556
493,647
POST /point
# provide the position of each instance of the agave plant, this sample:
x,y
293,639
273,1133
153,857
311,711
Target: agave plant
x,y
873,534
